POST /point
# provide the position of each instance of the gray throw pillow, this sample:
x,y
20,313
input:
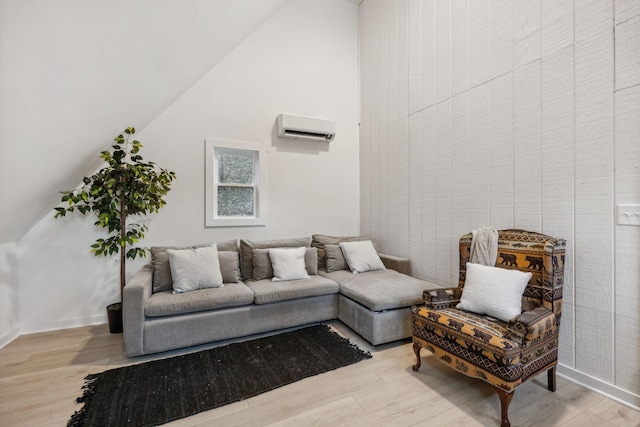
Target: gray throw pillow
x,y
162,280
262,268
335,258
229,266
194,269
247,247
320,240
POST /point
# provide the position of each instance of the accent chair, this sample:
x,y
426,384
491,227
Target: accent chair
x,y
502,353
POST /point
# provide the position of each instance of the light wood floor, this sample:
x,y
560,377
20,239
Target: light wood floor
x,y
42,374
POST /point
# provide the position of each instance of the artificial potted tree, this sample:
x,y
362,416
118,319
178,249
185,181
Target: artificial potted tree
x,y
125,187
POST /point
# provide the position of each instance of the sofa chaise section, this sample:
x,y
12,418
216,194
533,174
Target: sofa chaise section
x,y
377,304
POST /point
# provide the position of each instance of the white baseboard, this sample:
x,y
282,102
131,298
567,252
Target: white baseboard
x,y
35,328
9,336
611,391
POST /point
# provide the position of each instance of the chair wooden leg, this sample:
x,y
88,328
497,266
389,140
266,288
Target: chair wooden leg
x,y
551,379
505,399
416,350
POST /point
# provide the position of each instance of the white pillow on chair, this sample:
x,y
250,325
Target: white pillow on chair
x,y
494,291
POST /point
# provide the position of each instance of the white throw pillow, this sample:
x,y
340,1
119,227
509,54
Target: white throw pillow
x,y
288,264
193,269
361,256
494,291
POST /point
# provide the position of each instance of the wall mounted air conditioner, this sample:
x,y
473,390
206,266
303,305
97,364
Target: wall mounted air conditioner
x,y
300,127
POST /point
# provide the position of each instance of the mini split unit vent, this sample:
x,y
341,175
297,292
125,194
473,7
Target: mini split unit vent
x,y
305,128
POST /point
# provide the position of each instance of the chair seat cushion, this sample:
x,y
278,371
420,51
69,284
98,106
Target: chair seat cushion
x,y
166,304
267,291
380,290
470,343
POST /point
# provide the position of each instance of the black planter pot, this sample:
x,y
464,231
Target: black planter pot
x,y
114,313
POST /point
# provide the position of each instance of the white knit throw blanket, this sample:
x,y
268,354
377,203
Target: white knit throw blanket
x,y
484,246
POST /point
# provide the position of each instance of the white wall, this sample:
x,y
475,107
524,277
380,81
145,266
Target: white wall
x,y
303,60
520,114
74,73
9,306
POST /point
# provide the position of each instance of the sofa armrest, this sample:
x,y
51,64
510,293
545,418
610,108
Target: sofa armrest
x,y
439,298
399,264
532,326
135,295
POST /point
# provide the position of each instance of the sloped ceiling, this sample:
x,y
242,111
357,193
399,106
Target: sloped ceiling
x,y
74,74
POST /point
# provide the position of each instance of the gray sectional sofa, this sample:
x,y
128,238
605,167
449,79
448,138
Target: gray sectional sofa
x,y
375,304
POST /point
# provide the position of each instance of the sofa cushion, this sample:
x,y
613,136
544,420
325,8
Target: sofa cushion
x,y
229,266
247,247
162,280
262,268
320,240
166,304
335,258
381,289
361,256
266,291
288,264
193,269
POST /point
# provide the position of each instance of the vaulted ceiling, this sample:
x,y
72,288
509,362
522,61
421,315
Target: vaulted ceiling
x,y
73,74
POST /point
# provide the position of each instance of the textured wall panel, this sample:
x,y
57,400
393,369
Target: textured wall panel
x,y
459,46
501,151
500,37
627,273
556,25
392,155
526,32
479,156
403,59
383,189
443,244
383,68
628,53
403,187
460,178
558,155
427,53
594,202
478,42
374,61
414,56
415,193
374,182
519,125
592,17
626,9
527,137
428,173
443,49
391,15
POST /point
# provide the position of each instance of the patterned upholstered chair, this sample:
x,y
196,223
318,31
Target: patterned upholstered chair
x,y
504,354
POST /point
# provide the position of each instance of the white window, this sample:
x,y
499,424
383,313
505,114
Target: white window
x,y
235,173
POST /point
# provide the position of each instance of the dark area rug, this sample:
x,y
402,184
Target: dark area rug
x,y
164,390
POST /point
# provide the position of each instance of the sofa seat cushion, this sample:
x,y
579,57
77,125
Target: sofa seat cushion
x,y
380,290
266,291
166,304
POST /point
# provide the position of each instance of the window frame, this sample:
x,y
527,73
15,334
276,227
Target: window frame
x,y
213,147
